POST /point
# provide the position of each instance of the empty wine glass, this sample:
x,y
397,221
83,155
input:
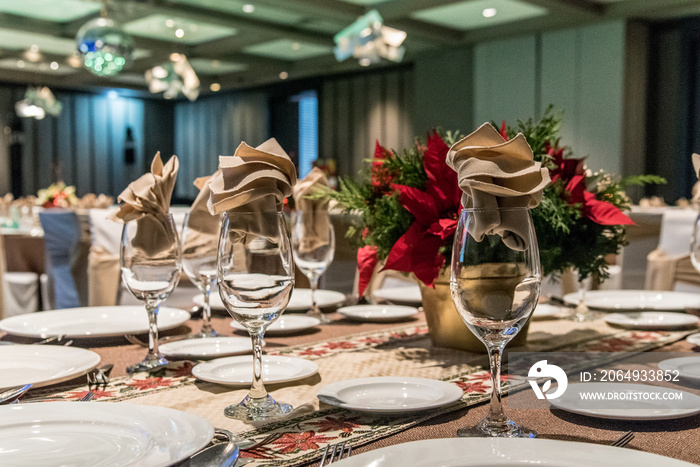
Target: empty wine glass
x,y
495,285
695,245
200,239
149,256
313,245
256,278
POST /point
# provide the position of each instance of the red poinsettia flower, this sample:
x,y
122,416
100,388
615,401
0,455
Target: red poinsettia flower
x,y
566,168
381,177
477,386
435,211
336,424
306,441
600,212
151,383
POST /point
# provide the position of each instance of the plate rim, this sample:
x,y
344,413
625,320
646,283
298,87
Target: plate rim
x,y
688,413
572,299
410,311
398,299
52,349
164,347
668,366
610,319
248,359
281,332
199,301
333,389
336,301
543,447
694,338
136,409
185,316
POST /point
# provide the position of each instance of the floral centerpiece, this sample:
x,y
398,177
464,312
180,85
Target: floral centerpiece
x,y
57,195
409,200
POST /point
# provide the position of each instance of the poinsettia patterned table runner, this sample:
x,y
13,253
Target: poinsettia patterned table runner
x,y
404,350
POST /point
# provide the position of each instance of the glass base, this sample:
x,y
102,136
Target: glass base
x,y
150,363
488,428
202,334
258,409
583,314
318,314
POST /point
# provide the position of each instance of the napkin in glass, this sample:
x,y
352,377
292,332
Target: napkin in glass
x,y
314,212
147,201
495,173
203,227
253,180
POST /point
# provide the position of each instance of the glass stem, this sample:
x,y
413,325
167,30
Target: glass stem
x,y
496,409
152,331
313,284
206,313
257,390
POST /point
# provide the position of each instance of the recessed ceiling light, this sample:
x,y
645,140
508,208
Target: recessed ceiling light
x,y
179,33
33,54
34,48
75,61
174,57
215,87
296,46
216,63
169,23
54,65
112,94
489,12
20,63
284,75
365,61
248,8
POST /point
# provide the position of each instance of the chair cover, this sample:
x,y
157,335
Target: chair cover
x,y
61,236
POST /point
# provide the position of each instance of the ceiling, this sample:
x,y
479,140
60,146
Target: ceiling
x,y
242,43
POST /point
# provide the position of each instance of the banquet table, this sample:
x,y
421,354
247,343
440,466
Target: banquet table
x,y
345,349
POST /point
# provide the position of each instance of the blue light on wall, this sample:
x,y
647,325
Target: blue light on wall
x,y
308,131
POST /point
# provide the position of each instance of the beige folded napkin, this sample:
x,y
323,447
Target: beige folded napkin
x,y
147,201
202,228
314,212
253,180
493,173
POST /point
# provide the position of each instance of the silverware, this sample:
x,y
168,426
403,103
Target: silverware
x,y
335,452
51,339
99,376
250,445
220,455
623,440
87,397
136,341
11,395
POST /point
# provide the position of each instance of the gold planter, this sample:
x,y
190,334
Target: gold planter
x,y
446,326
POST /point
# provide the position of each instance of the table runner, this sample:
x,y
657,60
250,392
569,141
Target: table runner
x,y
403,350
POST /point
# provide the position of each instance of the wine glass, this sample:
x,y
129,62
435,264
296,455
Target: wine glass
x,y
200,239
149,256
695,245
256,277
313,245
495,285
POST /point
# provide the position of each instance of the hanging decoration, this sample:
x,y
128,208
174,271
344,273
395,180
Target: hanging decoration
x,y
37,102
369,41
174,78
104,46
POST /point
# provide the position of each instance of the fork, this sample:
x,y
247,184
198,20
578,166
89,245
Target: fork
x,y
335,452
87,397
99,376
624,440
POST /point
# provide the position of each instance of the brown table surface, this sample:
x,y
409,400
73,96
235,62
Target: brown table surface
x,y
672,438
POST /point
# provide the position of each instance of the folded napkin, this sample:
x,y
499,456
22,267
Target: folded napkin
x,y
147,201
314,212
493,173
253,180
202,228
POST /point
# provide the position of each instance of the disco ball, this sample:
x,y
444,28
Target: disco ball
x,y
105,48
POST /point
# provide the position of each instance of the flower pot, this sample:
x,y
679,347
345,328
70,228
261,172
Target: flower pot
x,y
446,326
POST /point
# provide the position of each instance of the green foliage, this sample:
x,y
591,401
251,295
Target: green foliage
x,y
407,168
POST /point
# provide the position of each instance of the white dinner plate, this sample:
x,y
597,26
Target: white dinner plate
x,y
299,301
635,300
409,294
377,313
390,394
238,371
637,406
98,434
42,365
652,320
206,347
547,310
285,325
694,339
96,321
503,452
687,367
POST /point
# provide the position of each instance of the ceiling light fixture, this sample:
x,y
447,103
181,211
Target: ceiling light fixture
x,y
104,46
248,8
174,78
37,103
54,65
174,57
489,12
369,41
20,63
169,23
215,87
295,46
284,75
179,33
33,54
